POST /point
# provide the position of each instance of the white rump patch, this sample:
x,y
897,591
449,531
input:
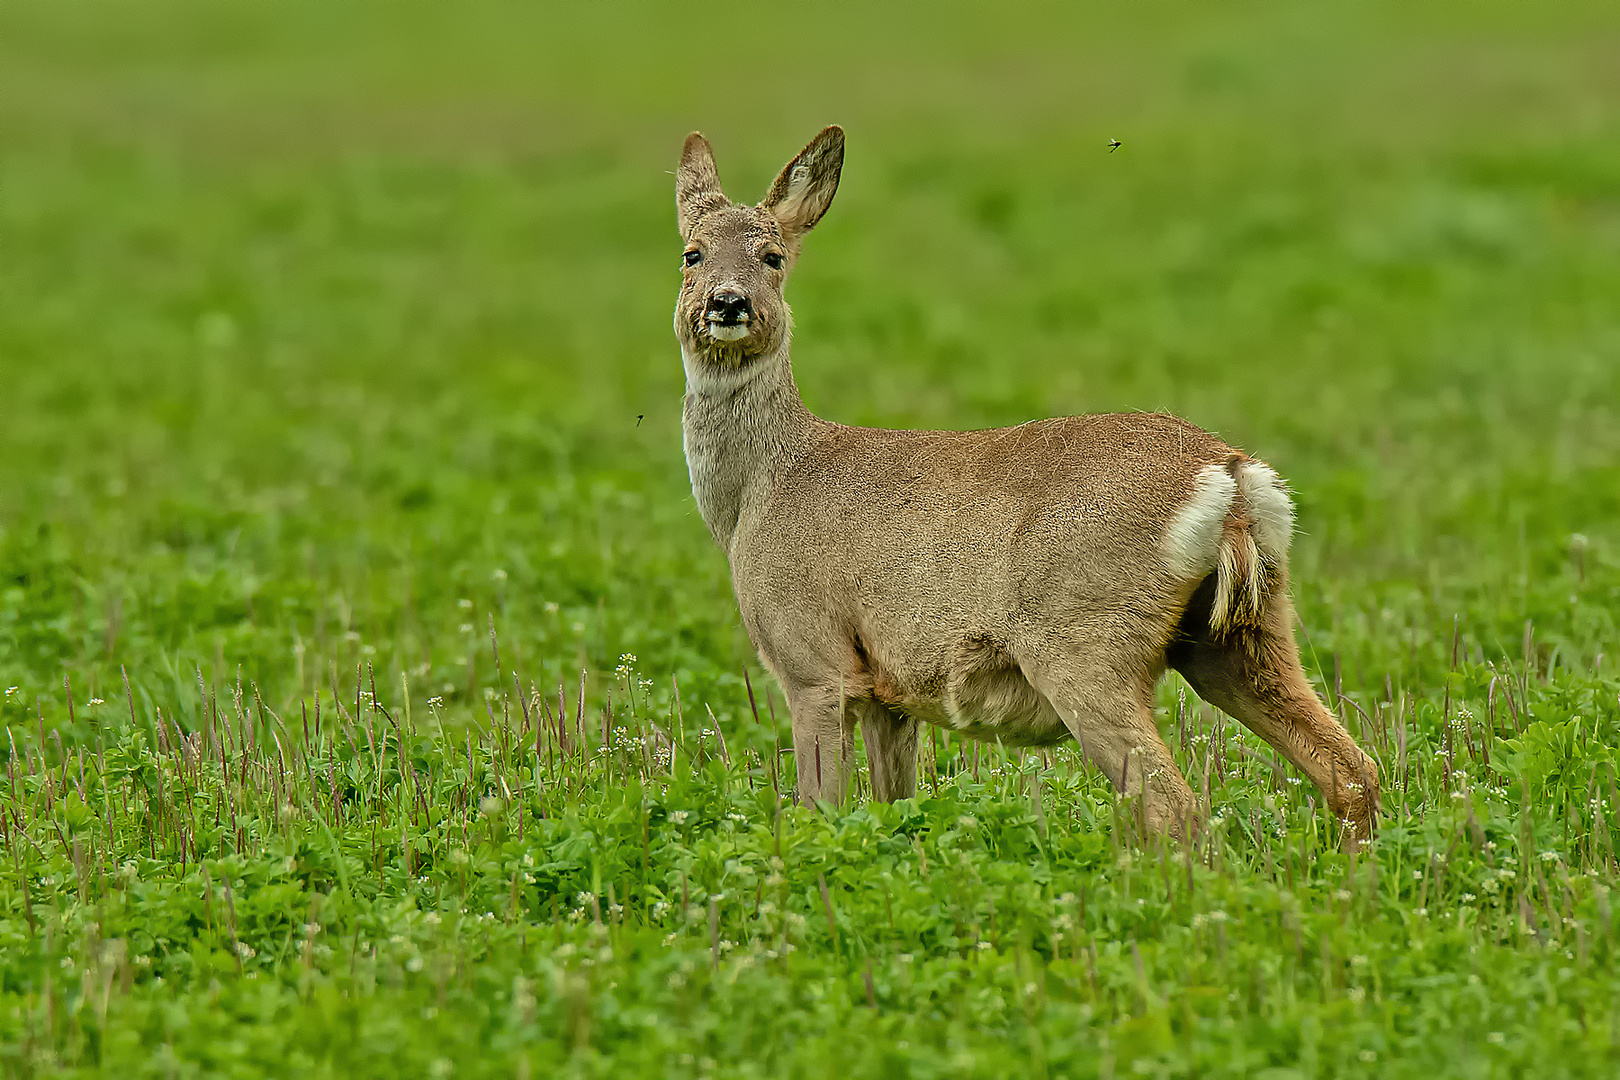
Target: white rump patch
x,y
1192,542
1270,509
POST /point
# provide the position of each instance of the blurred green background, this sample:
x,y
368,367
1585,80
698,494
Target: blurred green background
x,y
331,333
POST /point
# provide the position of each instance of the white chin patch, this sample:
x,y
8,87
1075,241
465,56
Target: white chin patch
x,y
728,333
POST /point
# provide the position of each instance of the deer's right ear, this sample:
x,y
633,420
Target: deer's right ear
x,y
697,184
805,188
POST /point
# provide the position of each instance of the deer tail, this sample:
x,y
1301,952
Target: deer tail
x,y
1252,562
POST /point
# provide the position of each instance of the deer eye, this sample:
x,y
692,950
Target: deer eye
x,y
772,259
693,257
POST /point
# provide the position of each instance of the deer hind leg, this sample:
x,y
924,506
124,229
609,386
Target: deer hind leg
x,y
891,750
1255,675
823,743
1112,718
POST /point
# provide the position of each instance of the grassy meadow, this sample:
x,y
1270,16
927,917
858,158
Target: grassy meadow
x,y
375,700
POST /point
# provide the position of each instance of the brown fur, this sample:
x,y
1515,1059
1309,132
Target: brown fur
x,y
1011,584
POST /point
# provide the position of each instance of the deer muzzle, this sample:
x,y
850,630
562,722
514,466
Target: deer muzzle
x,y
728,313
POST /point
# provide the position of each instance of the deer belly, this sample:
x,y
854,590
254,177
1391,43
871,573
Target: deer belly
x,y
984,696
998,703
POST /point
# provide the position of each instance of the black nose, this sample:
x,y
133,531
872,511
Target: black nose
x,y
729,306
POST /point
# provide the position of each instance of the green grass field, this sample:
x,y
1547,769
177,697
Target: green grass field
x,y
339,427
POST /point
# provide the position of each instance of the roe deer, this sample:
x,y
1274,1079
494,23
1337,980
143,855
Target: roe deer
x,y
1028,584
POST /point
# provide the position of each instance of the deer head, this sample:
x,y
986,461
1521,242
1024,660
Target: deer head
x,y
737,258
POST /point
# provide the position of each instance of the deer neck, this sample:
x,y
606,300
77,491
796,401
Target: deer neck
x,y
741,429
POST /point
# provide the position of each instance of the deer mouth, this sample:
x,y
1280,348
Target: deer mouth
x,y
722,328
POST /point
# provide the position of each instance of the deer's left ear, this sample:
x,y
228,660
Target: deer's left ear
x,y
697,184
804,189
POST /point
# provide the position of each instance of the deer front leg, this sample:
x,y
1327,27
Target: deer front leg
x,y
891,750
823,744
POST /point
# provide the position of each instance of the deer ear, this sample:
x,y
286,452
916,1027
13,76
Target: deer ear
x,y
804,189
697,184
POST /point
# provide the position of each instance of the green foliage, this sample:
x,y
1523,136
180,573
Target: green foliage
x,y
1554,760
339,429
